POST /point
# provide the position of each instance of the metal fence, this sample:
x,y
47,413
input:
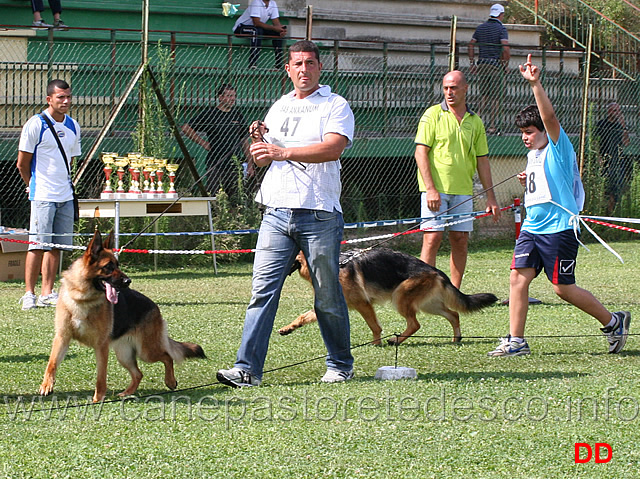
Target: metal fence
x,y
388,86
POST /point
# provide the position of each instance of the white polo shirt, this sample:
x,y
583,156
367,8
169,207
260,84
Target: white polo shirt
x,y
296,122
257,9
49,178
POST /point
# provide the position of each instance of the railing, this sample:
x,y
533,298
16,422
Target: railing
x,y
617,47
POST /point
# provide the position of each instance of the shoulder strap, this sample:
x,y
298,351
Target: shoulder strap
x,y
53,132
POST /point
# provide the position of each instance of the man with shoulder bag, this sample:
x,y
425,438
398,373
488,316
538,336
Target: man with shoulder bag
x,y
48,144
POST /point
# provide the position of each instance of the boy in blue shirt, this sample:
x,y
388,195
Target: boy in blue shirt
x,y
553,196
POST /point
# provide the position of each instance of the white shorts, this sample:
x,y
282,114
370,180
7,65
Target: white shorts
x,y
452,205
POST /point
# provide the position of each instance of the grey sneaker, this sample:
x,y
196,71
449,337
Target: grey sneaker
x,y
59,25
617,335
237,378
508,348
335,376
48,301
39,25
28,301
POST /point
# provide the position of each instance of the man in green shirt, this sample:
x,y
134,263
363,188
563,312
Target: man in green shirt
x,y
451,145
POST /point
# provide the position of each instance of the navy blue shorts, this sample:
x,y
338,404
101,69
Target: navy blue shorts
x,y
555,253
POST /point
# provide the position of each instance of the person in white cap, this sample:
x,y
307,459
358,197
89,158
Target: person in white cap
x,y
493,58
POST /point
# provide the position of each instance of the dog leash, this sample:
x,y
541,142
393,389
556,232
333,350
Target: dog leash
x,y
360,252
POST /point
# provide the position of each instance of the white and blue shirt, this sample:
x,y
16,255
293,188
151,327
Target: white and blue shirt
x,y
257,9
294,122
49,178
553,179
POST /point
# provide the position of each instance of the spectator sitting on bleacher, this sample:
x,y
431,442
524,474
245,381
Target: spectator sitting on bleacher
x,y
254,22
38,7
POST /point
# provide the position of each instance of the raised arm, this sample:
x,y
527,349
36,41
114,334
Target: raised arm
x,y
531,73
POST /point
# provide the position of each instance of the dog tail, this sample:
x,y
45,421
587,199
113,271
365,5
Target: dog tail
x,y
181,351
467,303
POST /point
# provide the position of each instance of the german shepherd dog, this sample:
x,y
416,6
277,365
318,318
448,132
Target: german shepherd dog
x,y
379,275
97,308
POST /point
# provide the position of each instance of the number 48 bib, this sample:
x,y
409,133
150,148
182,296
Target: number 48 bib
x,y
537,188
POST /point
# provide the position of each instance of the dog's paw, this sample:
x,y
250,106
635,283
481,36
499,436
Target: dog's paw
x,y
171,384
284,331
46,388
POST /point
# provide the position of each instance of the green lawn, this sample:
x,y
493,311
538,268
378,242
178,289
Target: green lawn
x,y
466,414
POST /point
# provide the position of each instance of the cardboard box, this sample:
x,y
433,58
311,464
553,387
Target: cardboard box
x,y
12,256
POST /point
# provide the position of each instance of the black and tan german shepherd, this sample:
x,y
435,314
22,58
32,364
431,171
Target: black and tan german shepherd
x,y
380,275
97,308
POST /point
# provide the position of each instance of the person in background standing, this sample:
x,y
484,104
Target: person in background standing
x,y
493,59
617,170
451,145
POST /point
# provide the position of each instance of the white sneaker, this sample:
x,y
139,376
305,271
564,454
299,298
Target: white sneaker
x,y
28,301
39,24
508,348
617,334
48,301
335,376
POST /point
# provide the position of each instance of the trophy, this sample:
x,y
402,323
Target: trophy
x,y
134,188
108,159
152,181
160,164
147,185
172,168
121,162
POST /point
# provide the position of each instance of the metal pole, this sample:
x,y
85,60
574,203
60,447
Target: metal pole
x,y
145,31
585,99
309,22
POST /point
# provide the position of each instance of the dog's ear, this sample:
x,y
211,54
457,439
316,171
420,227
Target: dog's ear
x,y
95,245
109,242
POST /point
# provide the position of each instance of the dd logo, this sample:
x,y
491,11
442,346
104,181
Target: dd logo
x,y
598,446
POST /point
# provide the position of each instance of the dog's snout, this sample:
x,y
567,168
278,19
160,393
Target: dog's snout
x,y
295,267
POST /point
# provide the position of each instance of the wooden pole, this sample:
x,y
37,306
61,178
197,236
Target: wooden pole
x,y
309,25
585,100
452,43
144,60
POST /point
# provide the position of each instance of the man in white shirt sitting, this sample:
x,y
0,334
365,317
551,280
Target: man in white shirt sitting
x,y
254,22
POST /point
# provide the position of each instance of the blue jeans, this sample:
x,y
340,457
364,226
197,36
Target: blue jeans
x,y
283,233
48,221
257,34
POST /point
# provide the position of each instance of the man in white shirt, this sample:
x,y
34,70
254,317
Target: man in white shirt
x,y
301,141
42,168
253,21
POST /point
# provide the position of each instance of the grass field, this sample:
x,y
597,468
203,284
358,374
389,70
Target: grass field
x,y
466,415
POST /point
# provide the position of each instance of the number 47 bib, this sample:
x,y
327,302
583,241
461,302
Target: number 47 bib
x,y
537,188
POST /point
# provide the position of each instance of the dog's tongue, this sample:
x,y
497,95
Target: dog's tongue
x,y
112,294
